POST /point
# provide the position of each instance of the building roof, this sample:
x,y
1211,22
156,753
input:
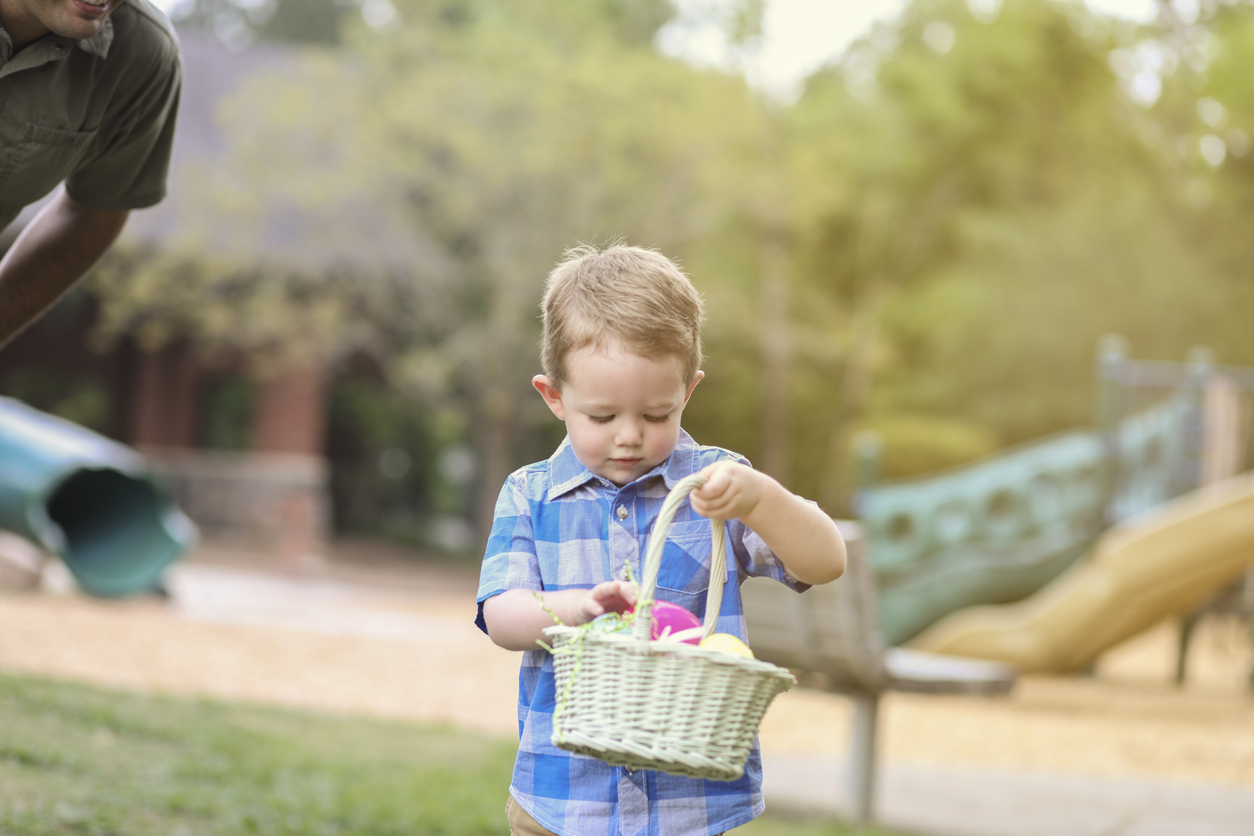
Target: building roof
x,y
357,234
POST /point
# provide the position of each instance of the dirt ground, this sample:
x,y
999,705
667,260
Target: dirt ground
x,y
374,633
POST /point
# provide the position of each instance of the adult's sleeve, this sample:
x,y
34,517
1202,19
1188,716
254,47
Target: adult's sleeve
x,y
130,166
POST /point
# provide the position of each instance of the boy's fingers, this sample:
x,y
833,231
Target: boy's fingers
x,y
715,484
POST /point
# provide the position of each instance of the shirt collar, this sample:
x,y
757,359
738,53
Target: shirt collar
x,y
55,47
566,472
99,43
682,462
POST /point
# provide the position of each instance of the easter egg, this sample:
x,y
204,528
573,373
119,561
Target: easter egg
x,y
669,619
610,622
726,643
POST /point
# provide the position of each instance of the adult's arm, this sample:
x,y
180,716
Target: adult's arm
x,y
54,251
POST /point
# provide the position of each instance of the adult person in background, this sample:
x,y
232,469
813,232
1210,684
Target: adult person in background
x,y
89,90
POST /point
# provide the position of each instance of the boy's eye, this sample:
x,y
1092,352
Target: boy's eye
x,y
600,419
657,419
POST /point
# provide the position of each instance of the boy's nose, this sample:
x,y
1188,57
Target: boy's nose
x,y
629,433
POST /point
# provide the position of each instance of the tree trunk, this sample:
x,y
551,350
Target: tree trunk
x,y
855,388
494,442
776,343
776,360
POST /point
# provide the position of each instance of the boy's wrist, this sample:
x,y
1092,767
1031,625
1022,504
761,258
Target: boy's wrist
x,y
769,493
582,613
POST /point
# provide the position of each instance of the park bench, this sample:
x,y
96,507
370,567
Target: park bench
x,y
830,638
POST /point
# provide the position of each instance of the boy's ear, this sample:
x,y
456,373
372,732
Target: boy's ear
x,y
551,394
696,378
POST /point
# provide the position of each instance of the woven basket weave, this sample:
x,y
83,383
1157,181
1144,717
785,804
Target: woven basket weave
x,y
662,705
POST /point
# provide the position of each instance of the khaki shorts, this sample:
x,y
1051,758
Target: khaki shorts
x,y
520,821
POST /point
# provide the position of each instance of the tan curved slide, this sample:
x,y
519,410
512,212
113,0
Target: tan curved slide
x,y
1138,573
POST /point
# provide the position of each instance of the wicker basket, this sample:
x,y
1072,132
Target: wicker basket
x,y
662,705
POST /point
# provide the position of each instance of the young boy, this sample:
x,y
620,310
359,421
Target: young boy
x,y
621,353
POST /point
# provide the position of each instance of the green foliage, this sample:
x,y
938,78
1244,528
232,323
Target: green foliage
x,y
942,225
1218,108
916,444
78,397
226,413
992,202
473,151
291,21
381,446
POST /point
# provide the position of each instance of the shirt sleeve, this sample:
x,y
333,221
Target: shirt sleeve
x,y
129,167
754,557
510,560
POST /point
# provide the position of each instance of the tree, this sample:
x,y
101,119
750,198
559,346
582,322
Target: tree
x,y
990,207
289,21
409,194
1214,108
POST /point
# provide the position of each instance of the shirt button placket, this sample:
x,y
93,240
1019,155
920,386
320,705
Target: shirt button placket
x,y
633,802
623,546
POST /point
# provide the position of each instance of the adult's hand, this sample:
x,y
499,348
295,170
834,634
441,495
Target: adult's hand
x,y
54,251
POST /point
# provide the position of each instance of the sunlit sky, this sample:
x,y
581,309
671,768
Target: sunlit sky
x,y
801,35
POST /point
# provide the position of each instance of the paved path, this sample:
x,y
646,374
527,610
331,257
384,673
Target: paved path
x,y
965,801
407,648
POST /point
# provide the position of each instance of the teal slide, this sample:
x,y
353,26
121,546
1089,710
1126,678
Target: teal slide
x,y
999,530
89,500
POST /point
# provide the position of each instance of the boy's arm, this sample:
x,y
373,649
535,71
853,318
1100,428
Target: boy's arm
x,y
801,535
516,619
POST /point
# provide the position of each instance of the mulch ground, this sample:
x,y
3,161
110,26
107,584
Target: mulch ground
x,y
376,632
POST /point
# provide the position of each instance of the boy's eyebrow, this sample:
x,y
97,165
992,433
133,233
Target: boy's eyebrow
x,y
609,406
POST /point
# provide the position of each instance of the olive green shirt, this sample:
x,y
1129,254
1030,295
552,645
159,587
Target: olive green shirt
x,y
97,114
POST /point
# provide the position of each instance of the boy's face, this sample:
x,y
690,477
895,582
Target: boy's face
x,y
621,410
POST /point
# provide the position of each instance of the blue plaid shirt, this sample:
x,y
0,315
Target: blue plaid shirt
x,y
558,526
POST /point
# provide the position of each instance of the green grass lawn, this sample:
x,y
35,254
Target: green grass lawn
x,y
82,760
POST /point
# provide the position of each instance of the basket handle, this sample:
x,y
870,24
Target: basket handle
x,y
653,562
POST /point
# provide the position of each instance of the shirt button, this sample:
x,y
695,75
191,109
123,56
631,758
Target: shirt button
x,y
622,512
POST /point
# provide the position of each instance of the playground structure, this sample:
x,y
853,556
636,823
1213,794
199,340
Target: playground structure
x,y
1001,530
1168,561
88,500
1037,559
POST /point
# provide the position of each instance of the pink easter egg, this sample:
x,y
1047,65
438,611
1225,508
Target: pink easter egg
x,y
676,618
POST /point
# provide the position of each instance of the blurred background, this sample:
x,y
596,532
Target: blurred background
x,y
914,218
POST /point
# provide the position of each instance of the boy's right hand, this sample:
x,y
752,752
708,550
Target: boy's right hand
x,y
516,620
610,596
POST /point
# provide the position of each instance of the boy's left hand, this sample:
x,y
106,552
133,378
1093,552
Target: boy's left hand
x,y
731,491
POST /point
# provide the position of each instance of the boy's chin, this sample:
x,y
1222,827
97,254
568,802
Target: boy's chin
x,y
621,474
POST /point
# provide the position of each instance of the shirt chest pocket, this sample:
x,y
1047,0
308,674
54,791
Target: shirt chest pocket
x,y
684,576
40,159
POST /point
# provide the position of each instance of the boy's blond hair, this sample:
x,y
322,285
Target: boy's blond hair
x,y
634,295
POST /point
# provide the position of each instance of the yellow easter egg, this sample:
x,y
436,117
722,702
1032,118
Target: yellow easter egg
x,y
726,643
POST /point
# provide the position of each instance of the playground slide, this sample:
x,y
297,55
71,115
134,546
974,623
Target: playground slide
x,y
89,500
1159,564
